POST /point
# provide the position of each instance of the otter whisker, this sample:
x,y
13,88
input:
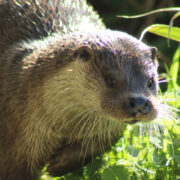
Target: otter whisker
x,y
168,116
77,129
140,132
166,80
86,113
105,126
85,125
100,135
97,124
167,107
68,107
158,128
167,100
87,141
161,122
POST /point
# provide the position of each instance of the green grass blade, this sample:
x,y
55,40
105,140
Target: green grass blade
x,y
173,73
151,12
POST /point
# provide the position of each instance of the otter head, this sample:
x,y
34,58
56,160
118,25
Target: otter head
x,y
122,72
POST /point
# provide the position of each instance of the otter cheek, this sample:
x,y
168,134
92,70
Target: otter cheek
x,y
155,108
114,107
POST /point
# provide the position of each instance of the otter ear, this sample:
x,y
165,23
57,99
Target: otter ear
x,y
153,52
84,53
153,55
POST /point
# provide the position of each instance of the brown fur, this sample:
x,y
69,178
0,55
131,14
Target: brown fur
x,y
56,105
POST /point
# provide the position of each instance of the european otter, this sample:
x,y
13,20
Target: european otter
x,y
68,86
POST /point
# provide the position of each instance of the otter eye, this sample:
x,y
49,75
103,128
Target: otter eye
x,y
110,82
150,83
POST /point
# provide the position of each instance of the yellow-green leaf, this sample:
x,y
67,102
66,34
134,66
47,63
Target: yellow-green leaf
x,y
173,73
162,30
171,23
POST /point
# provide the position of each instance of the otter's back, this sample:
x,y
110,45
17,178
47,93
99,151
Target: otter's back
x,y
22,20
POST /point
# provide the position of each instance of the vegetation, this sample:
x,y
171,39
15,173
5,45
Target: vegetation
x,y
145,151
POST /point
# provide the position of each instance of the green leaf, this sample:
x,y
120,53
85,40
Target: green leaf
x,y
163,30
115,173
172,20
173,73
171,23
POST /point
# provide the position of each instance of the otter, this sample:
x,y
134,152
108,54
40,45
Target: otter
x,y
68,86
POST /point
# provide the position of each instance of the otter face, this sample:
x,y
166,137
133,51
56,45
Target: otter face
x,y
130,86
126,75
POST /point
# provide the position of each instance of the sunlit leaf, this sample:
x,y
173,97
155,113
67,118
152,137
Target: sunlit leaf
x,y
173,73
162,30
171,23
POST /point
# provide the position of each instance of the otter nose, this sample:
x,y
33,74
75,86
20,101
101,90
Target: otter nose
x,y
138,105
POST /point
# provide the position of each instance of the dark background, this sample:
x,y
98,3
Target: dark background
x,y
109,9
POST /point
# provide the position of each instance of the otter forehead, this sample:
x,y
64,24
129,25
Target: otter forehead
x,y
126,60
116,48
114,40
118,51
